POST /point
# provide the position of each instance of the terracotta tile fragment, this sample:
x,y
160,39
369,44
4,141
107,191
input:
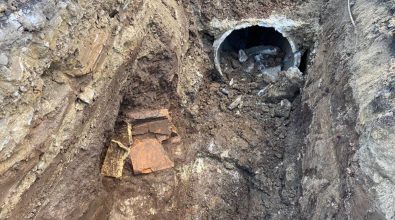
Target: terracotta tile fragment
x,y
175,140
162,137
148,155
148,114
156,127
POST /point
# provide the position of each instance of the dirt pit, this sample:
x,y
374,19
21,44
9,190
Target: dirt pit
x,y
258,135
239,136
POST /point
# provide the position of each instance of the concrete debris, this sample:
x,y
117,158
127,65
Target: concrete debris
x,y
235,103
242,56
287,86
250,66
268,60
270,74
262,50
225,91
151,129
117,152
232,82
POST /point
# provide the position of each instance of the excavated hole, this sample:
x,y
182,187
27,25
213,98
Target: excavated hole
x,y
266,125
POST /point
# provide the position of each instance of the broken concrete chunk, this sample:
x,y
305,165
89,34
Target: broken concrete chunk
x,y
148,155
242,56
270,74
224,91
235,103
265,50
148,114
294,75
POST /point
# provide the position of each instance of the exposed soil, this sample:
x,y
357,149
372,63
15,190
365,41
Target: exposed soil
x,y
252,147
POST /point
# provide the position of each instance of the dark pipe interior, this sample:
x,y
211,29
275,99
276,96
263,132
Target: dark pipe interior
x,y
255,36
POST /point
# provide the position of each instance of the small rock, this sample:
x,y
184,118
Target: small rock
x,y
22,89
232,82
250,67
3,59
270,75
33,20
262,92
242,56
284,109
225,91
265,50
235,103
59,77
3,7
87,95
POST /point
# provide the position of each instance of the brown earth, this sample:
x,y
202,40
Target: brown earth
x,y
77,70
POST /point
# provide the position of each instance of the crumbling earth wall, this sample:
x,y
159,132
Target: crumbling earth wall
x,y
69,70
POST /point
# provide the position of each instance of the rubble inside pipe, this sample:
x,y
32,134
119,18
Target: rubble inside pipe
x,y
258,48
262,58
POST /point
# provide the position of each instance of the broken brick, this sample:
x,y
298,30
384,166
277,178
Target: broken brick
x,y
162,137
148,114
156,127
148,155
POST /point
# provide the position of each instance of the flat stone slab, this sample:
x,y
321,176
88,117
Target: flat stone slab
x,y
148,114
115,160
117,152
161,126
148,155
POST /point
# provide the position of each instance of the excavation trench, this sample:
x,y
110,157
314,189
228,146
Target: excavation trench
x,y
235,138
263,131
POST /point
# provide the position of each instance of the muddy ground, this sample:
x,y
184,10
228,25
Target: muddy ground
x,y
297,152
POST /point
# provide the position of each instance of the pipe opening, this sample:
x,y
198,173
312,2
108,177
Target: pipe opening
x,y
257,37
259,48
